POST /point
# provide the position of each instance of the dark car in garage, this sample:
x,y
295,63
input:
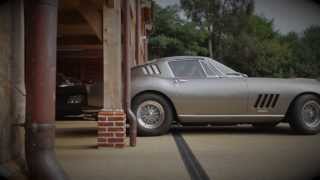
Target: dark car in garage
x,y
71,97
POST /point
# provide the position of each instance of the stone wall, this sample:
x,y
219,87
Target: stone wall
x,y
11,84
5,53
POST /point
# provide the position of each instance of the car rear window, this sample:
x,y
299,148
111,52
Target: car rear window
x,y
210,70
187,69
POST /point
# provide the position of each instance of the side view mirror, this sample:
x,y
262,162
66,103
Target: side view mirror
x,y
245,75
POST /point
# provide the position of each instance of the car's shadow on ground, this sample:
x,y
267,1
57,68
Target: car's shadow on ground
x,y
241,130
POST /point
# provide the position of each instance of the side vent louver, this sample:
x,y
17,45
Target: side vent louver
x,y
267,101
151,69
275,101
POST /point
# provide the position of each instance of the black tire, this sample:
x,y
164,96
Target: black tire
x,y
296,118
164,127
265,125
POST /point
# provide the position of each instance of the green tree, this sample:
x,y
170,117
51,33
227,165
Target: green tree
x,y
307,53
173,36
220,18
246,42
258,50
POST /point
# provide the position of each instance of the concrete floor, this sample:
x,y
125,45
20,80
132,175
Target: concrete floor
x,y
224,153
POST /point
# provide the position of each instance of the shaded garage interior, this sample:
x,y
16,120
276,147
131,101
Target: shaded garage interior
x,y
29,46
80,55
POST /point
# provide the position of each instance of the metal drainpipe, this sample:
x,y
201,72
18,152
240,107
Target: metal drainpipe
x,y
41,42
127,71
138,31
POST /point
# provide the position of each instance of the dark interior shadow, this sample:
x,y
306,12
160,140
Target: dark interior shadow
x,y
72,119
76,132
241,130
76,147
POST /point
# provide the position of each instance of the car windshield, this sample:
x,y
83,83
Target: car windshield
x,y
224,69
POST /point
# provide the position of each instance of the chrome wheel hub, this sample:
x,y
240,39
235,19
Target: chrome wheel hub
x,y
311,114
150,114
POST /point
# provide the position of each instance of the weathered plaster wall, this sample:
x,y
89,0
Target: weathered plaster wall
x,y
5,94
11,82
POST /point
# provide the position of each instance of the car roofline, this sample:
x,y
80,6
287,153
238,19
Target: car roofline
x,y
164,59
179,58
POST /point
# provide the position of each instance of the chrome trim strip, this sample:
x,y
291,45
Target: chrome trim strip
x,y
235,116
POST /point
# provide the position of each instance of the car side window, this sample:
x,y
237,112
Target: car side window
x,y
210,70
187,69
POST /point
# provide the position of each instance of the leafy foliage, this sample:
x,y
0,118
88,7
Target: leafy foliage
x,y
173,36
230,32
220,18
258,51
307,53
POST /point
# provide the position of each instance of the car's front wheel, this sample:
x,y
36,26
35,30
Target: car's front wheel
x,y
305,115
154,114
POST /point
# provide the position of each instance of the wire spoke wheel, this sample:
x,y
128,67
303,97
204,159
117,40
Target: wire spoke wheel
x,y
150,114
311,114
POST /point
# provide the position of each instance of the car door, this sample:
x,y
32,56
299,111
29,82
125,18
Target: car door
x,y
204,94
266,97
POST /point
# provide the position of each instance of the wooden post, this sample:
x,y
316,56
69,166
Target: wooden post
x,y
112,75
111,122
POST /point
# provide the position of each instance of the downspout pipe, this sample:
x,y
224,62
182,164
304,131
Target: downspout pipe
x,y
138,31
41,45
127,73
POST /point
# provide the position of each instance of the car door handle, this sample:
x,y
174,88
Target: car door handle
x,y
179,81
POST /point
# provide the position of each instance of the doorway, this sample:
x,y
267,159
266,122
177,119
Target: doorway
x,y
79,58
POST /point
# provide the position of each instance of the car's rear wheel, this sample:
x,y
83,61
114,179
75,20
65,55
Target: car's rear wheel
x,y
154,114
305,115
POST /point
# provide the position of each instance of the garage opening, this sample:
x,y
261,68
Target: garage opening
x,y
79,59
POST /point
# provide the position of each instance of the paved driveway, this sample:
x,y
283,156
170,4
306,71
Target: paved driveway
x,y
220,153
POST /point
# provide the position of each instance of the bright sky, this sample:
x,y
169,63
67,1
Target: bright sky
x,y
288,15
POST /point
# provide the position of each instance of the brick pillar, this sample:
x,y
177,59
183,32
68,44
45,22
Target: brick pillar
x,y
111,129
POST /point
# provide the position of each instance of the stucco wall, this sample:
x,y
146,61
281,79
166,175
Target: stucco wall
x,y
5,53
11,79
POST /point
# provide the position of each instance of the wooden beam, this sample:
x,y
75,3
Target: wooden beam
x,y
71,16
112,78
81,40
68,4
80,53
75,30
92,15
98,4
110,3
81,46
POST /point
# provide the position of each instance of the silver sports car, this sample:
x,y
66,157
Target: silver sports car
x,y
199,90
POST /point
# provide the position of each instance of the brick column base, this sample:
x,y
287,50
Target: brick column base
x,y
111,129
